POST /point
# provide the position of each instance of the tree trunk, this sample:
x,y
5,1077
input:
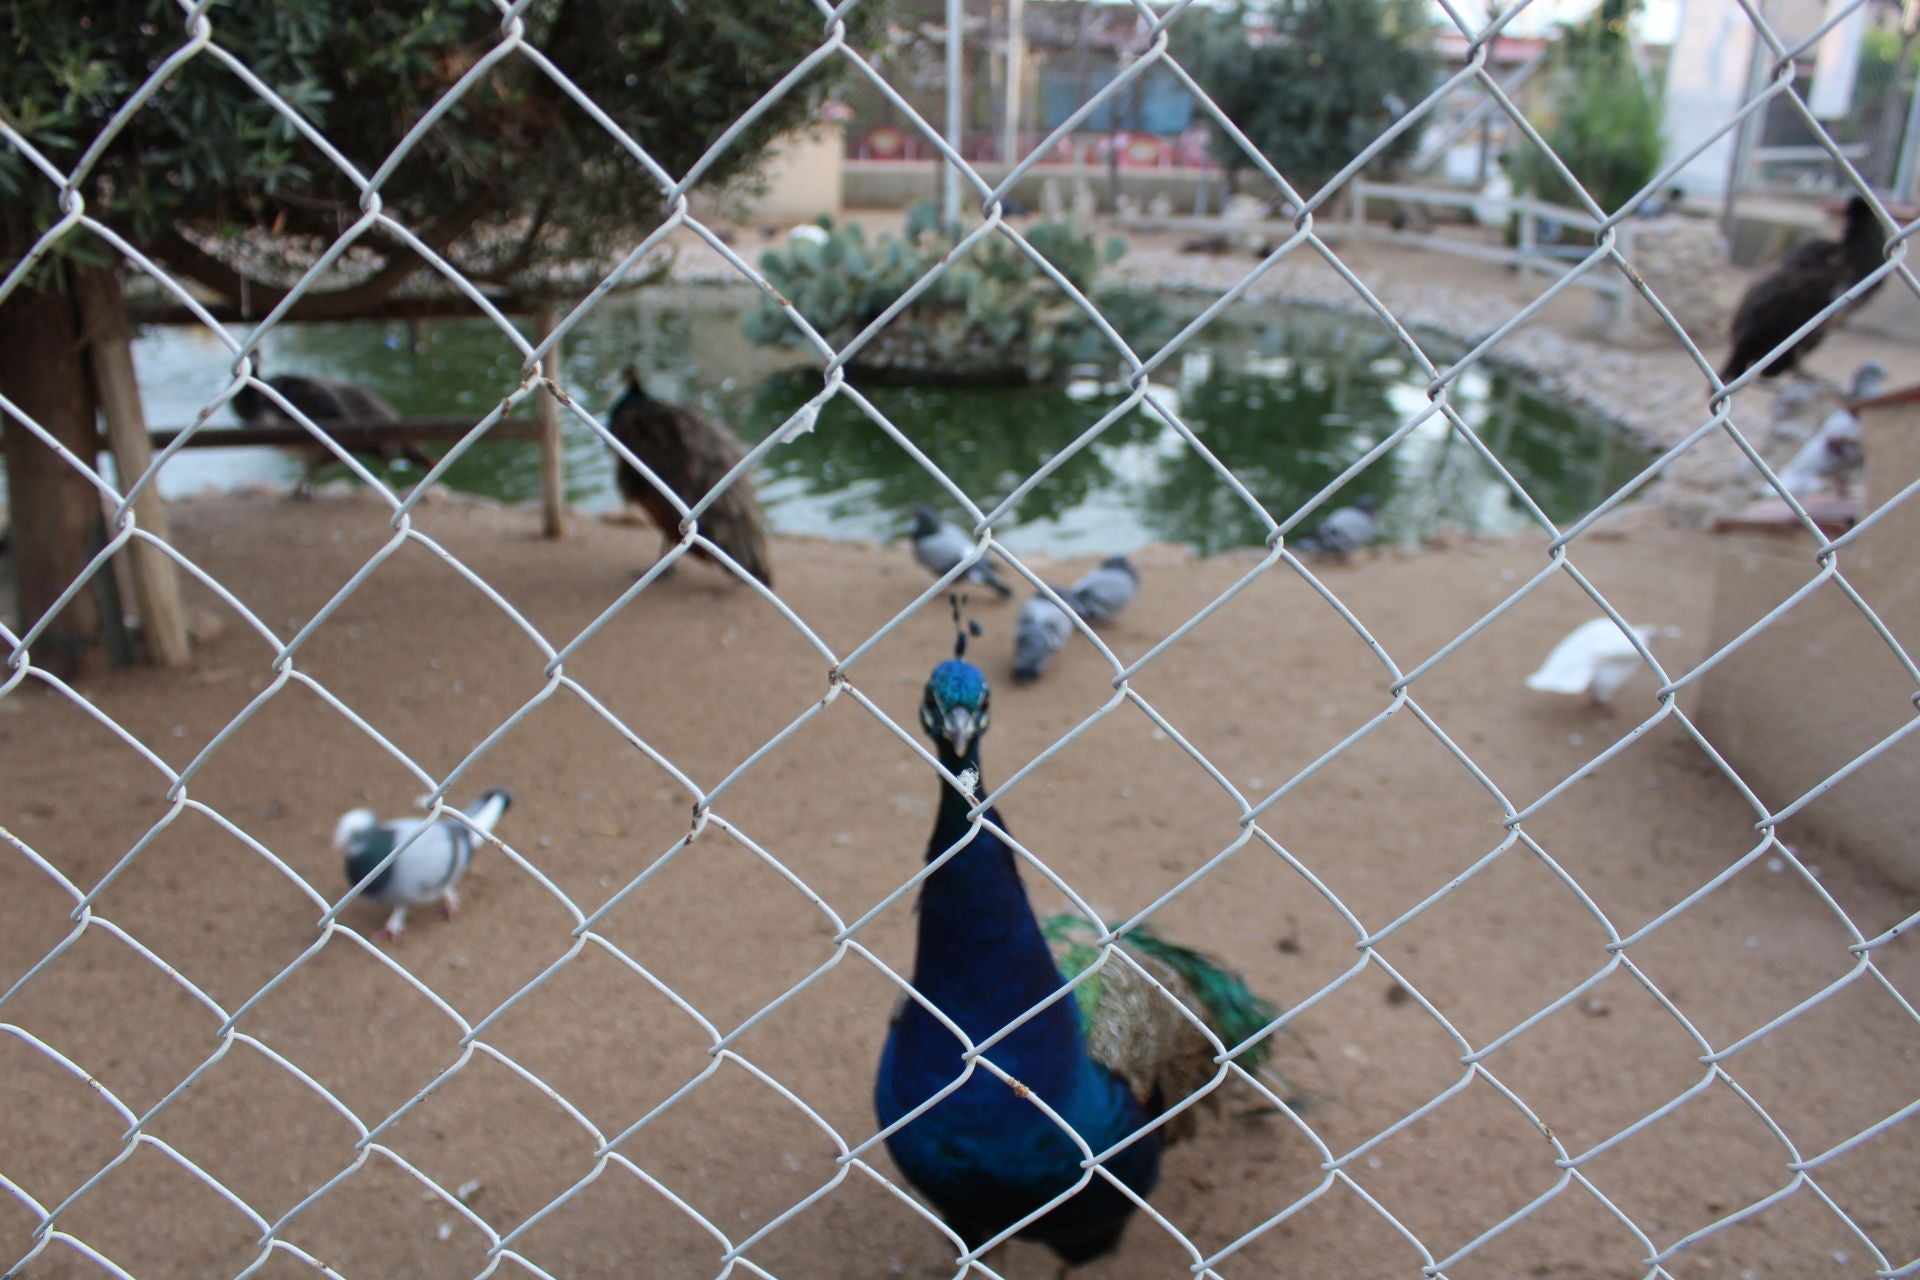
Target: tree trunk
x,y
58,522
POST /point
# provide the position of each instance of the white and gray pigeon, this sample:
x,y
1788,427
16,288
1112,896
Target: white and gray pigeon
x,y
1832,456
426,870
1103,593
1040,631
1346,530
1595,660
940,546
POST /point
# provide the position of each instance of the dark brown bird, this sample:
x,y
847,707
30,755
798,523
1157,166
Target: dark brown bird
x,y
689,452
323,400
1810,277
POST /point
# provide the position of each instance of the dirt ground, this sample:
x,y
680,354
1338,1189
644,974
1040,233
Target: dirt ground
x,y
706,672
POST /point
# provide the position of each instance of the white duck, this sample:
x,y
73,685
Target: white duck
x,y
1596,659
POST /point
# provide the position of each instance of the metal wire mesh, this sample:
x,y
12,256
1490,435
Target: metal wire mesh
x,y
1800,1171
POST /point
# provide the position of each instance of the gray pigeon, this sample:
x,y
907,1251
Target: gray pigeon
x,y
1345,531
1102,594
426,870
940,546
1040,631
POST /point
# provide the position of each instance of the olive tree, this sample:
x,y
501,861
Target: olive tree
x,y
1312,83
222,190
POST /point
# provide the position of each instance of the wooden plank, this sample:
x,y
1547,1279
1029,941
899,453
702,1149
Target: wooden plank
x,y
364,435
156,579
1595,278
1831,514
553,465
1889,399
160,308
1579,219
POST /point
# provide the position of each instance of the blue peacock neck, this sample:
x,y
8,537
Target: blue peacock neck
x,y
980,955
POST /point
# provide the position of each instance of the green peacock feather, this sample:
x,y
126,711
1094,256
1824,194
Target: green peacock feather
x,y
1235,1011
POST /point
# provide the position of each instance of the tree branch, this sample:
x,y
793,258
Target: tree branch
x,y
253,297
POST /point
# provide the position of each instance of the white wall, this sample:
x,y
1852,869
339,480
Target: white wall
x,y
1706,76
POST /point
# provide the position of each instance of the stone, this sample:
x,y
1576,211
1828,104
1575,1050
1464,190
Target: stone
x,y
1684,261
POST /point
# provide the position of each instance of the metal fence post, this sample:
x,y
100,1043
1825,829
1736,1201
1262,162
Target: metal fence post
x,y
956,126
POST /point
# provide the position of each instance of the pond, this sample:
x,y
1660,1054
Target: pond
x,y
1287,399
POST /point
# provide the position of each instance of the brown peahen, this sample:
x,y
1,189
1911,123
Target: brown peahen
x,y
689,452
1810,277
323,400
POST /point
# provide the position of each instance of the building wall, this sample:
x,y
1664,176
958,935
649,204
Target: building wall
x,y
1706,77
1819,687
802,178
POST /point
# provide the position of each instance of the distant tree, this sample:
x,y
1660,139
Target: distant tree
x,y
218,187
1603,116
514,177
1311,83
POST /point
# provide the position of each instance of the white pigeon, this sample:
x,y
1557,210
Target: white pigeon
x,y
427,869
1040,631
1832,456
809,233
1828,460
1103,593
1493,207
1595,660
940,546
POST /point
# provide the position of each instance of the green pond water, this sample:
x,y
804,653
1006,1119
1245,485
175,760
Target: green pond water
x,y
1287,400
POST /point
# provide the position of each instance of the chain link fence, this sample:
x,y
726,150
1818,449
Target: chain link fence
x,y
47,1225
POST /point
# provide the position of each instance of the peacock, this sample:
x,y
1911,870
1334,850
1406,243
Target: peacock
x,y
1804,282
323,400
689,452
1109,1061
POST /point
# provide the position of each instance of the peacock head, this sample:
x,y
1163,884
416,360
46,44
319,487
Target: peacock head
x,y
954,710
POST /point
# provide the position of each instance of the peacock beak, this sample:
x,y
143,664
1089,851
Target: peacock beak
x,y
960,728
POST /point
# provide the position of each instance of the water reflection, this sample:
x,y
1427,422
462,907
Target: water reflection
x,y
1285,402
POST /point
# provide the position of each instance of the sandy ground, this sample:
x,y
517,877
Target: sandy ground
x,y
706,672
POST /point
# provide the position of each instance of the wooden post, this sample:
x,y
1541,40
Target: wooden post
x,y
1620,315
58,525
553,474
109,344
1357,208
1528,241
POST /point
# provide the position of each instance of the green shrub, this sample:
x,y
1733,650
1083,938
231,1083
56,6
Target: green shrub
x,y
993,316
1320,84
1603,120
